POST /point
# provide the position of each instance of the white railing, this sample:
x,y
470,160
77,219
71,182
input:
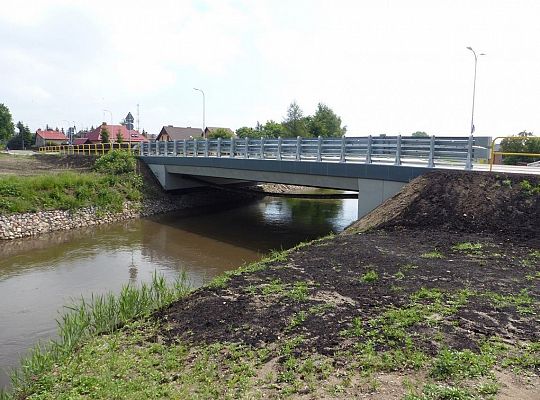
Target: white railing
x,y
397,150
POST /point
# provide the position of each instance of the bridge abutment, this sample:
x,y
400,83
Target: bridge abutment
x,y
373,192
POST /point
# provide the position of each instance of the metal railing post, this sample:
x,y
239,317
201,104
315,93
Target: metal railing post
x,y
206,148
342,158
369,149
298,148
278,155
469,164
431,159
319,148
232,147
218,148
397,161
175,148
184,147
246,155
195,148
262,148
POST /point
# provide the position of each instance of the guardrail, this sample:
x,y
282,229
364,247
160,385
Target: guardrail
x,y
493,153
396,150
87,149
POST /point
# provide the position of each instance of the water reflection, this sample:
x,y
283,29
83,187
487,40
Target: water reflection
x,y
40,275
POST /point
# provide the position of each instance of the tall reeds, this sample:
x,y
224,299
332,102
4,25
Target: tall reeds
x,y
97,315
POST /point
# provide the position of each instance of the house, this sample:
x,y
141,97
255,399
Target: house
x,y
128,135
170,132
211,129
50,137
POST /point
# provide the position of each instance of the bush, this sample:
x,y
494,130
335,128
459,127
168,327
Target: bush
x,y
115,162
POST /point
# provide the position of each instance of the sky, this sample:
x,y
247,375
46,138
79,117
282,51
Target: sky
x,y
384,66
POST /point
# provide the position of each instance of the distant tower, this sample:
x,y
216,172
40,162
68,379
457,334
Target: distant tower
x,y
128,121
138,120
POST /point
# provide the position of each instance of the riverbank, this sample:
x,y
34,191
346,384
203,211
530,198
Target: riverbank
x,y
65,193
406,312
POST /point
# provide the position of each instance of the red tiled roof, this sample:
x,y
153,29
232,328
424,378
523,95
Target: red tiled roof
x,y
127,135
78,141
51,135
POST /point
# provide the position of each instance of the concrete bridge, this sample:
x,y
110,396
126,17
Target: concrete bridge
x,y
375,167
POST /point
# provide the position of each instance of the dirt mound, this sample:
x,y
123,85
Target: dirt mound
x,y
463,201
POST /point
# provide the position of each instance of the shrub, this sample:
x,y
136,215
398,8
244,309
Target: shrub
x,y
115,162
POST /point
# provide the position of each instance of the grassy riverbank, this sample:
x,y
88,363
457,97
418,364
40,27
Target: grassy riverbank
x,y
107,185
85,321
413,315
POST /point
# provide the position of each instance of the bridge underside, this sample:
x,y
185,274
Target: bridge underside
x,y
374,183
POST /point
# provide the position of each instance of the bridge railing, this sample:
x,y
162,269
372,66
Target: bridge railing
x,y
397,150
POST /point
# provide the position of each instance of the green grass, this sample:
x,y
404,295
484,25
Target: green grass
x,y
67,191
370,276
442,392
468,247
433,255
86,320
522,301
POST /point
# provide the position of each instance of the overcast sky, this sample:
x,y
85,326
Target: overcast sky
x,y
384,66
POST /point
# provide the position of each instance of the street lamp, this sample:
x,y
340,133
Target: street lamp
x,y
110,114
474,86
203,108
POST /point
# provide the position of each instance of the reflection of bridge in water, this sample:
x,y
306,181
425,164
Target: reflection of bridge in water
x,y
375,167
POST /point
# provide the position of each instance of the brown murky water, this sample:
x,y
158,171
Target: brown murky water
x,y
38,276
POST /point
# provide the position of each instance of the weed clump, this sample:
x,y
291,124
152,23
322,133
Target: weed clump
x,y
116,162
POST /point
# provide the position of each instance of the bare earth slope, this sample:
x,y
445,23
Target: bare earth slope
x,y
471,202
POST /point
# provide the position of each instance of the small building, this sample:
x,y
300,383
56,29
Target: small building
x,y
170,132
50,137
127,135
211,129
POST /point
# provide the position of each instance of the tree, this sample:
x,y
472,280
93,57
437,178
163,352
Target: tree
x,y
6,123
221,133
24,138
294,122
246,131
119,137
325,123
420,134
523,142
273,129
104,135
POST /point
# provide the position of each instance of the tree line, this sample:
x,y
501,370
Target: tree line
x,y
324,122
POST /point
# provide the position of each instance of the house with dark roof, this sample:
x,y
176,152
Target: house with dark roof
x,y
50,137
211,129
128,135
170,132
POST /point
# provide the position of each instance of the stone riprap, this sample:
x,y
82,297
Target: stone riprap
x,y
16,226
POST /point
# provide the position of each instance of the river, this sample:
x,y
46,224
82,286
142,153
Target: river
x,y
38,276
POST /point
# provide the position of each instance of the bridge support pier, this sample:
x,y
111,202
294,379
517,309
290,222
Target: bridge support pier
x,y
372,193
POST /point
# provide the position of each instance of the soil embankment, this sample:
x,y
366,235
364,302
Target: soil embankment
x,y
468,202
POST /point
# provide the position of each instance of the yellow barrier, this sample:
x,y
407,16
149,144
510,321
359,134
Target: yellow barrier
x,y
87,149
493,152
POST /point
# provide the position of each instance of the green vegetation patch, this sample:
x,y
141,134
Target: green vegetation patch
x,y
468,247
433,255
45,369
370,276
67,191
522,301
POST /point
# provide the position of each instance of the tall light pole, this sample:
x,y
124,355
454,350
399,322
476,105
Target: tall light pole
x,y
474,86
203,108
110,114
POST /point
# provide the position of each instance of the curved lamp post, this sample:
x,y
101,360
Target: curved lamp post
x,y
203,108
474,85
